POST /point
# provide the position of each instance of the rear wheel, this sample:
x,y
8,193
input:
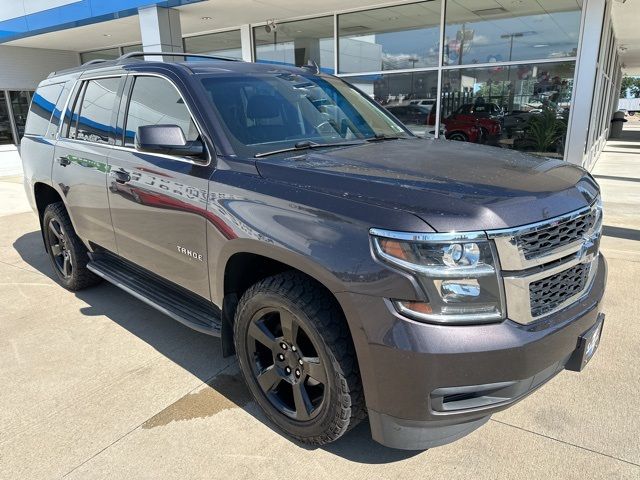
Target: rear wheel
x,y
307,382
458,137
66,251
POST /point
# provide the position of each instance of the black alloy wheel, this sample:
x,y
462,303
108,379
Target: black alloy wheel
x,y
296,354
67,253
58,249
286,364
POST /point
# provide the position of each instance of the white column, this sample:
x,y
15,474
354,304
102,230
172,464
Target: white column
x,y
246,39
160,30
585,79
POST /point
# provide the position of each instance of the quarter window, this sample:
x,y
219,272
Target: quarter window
x,y
155,101
42,106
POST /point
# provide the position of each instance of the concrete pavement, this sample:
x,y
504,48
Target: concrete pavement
x,y
98,385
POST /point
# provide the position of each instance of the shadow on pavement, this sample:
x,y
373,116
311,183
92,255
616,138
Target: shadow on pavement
x,y
197,353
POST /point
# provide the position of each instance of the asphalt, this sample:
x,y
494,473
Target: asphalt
x,y
98,385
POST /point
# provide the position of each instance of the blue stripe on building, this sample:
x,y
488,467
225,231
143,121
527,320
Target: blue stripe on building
x,y
77,14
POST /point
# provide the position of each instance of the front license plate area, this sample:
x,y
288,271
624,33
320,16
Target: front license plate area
x,y
587,345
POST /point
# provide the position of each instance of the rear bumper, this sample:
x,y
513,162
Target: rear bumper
x,y
427,385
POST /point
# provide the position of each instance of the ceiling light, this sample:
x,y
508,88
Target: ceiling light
x,y
106,34
490,11
541,45
206,18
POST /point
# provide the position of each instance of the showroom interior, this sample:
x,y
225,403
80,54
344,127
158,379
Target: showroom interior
x,y
540,76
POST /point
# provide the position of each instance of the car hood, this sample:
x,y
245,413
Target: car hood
x,y
450,185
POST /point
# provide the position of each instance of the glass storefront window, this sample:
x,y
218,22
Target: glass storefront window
x,y
523,30
524,107
6,136
410,97
226,44
20,106
106,54
295,43
390,38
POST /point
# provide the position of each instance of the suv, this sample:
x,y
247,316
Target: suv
x,y
353,268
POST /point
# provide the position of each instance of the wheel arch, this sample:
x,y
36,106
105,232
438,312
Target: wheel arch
x,y
251,261
44,196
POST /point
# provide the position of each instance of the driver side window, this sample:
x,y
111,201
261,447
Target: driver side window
x,y
155,101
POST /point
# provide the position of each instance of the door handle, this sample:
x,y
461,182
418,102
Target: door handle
x,y
64,161
121,176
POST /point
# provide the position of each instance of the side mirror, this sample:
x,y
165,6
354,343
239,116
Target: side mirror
x,y
168,140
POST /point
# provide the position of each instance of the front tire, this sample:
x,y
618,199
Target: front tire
x,y
307,382
67,253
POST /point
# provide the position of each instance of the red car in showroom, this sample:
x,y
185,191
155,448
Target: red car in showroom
x,y
461,130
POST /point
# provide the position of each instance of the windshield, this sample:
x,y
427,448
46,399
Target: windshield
x,y
265,112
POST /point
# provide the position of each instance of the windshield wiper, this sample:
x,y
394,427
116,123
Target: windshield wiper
x,y
379,137
306,145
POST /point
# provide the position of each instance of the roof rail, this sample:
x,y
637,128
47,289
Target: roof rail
x,y
95,60
176,54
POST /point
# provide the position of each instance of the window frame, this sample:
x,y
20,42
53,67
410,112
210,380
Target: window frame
x,y
77,94
125,100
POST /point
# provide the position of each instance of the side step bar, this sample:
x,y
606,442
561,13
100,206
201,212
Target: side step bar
x,y
181,305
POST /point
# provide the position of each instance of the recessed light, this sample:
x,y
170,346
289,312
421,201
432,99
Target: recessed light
x,y
541,45
206,18
106,34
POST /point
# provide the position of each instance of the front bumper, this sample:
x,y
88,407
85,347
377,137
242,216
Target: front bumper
x,y
427,385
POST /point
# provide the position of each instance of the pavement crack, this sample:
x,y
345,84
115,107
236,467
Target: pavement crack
x,y
565,442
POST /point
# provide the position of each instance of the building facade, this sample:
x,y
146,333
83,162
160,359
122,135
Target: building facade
x,y
540,76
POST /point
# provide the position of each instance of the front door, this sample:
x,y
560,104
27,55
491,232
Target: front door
x,y
158,202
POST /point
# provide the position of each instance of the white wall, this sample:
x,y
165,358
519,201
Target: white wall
x,y
23,68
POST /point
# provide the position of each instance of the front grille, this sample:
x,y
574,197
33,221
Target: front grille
x,y
537,243
547,294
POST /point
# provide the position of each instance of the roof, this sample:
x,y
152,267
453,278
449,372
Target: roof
x,y
200,64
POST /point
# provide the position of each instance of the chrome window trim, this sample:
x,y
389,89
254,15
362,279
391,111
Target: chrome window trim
x,y
193,118
129,149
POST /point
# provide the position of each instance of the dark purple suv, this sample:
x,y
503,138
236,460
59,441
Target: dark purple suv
x,y
354,269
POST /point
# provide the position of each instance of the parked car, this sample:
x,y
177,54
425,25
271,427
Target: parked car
x,y
418,116
354,269
487,116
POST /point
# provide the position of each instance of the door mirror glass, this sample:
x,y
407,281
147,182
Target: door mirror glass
x,y
168,140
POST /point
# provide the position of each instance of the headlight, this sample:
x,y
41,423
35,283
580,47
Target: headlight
x,y
457,273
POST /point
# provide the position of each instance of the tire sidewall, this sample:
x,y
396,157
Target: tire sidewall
x,y
51,214
319,424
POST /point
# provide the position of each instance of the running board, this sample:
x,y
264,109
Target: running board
x,y
181,305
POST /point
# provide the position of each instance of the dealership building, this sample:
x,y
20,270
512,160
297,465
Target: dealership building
x,y
536,75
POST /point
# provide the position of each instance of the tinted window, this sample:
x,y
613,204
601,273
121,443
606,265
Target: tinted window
x,y
98,100
42,106
52,131
155,101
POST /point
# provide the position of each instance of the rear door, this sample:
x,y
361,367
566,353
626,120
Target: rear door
x,y
80,160
158,202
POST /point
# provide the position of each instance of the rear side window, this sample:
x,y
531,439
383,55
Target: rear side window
x,y
155,101
91,119
56,118
42,107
